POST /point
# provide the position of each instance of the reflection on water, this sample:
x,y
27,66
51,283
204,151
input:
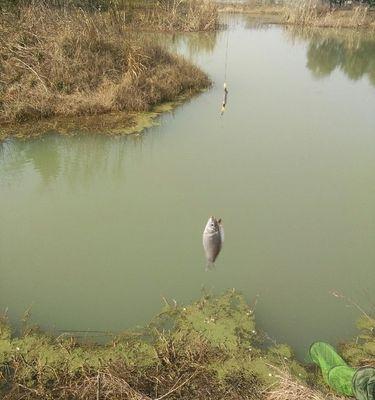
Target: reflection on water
x,y
76,160
194,42
352,52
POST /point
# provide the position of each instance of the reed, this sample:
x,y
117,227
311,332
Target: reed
x,y
320,14
305,12
180,15
67,62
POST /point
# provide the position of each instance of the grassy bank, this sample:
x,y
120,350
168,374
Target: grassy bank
x,y
307,13
319,14
69,62
149,15
210,349
174,15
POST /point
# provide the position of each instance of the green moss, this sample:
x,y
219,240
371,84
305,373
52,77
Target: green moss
x,y
369,348
366,324
282,351
214,341
5,331
361,351
5,350
255,372
109,124
225,322
5,342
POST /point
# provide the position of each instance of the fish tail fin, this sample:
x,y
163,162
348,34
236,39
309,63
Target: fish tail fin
x,y
210,266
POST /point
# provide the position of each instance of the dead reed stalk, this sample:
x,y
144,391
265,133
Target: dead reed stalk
x,y
289,388
65,62
315,13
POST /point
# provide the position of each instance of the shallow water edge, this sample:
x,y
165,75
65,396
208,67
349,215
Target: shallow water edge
x,y
108,124
212,345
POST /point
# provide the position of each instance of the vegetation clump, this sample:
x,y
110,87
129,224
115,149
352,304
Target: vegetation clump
x,y
308,13
67,62
150,15
361,351
210,349
323,14
171,15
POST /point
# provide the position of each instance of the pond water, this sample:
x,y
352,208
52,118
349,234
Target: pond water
x,y
95,230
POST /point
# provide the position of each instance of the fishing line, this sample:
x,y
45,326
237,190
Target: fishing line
x,y
226,58
225,97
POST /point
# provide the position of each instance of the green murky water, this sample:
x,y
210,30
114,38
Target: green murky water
x,y
95,230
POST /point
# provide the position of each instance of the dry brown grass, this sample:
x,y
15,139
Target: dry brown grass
x,y
178,15
150,15
251,7
56,62
289,388
319,14
310,13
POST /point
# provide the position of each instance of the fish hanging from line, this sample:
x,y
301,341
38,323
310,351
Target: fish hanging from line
x,y
225,98
213,239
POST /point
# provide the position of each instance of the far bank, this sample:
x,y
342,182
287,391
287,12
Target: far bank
x,y
309,13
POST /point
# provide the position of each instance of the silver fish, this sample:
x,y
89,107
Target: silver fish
x,y
213,239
